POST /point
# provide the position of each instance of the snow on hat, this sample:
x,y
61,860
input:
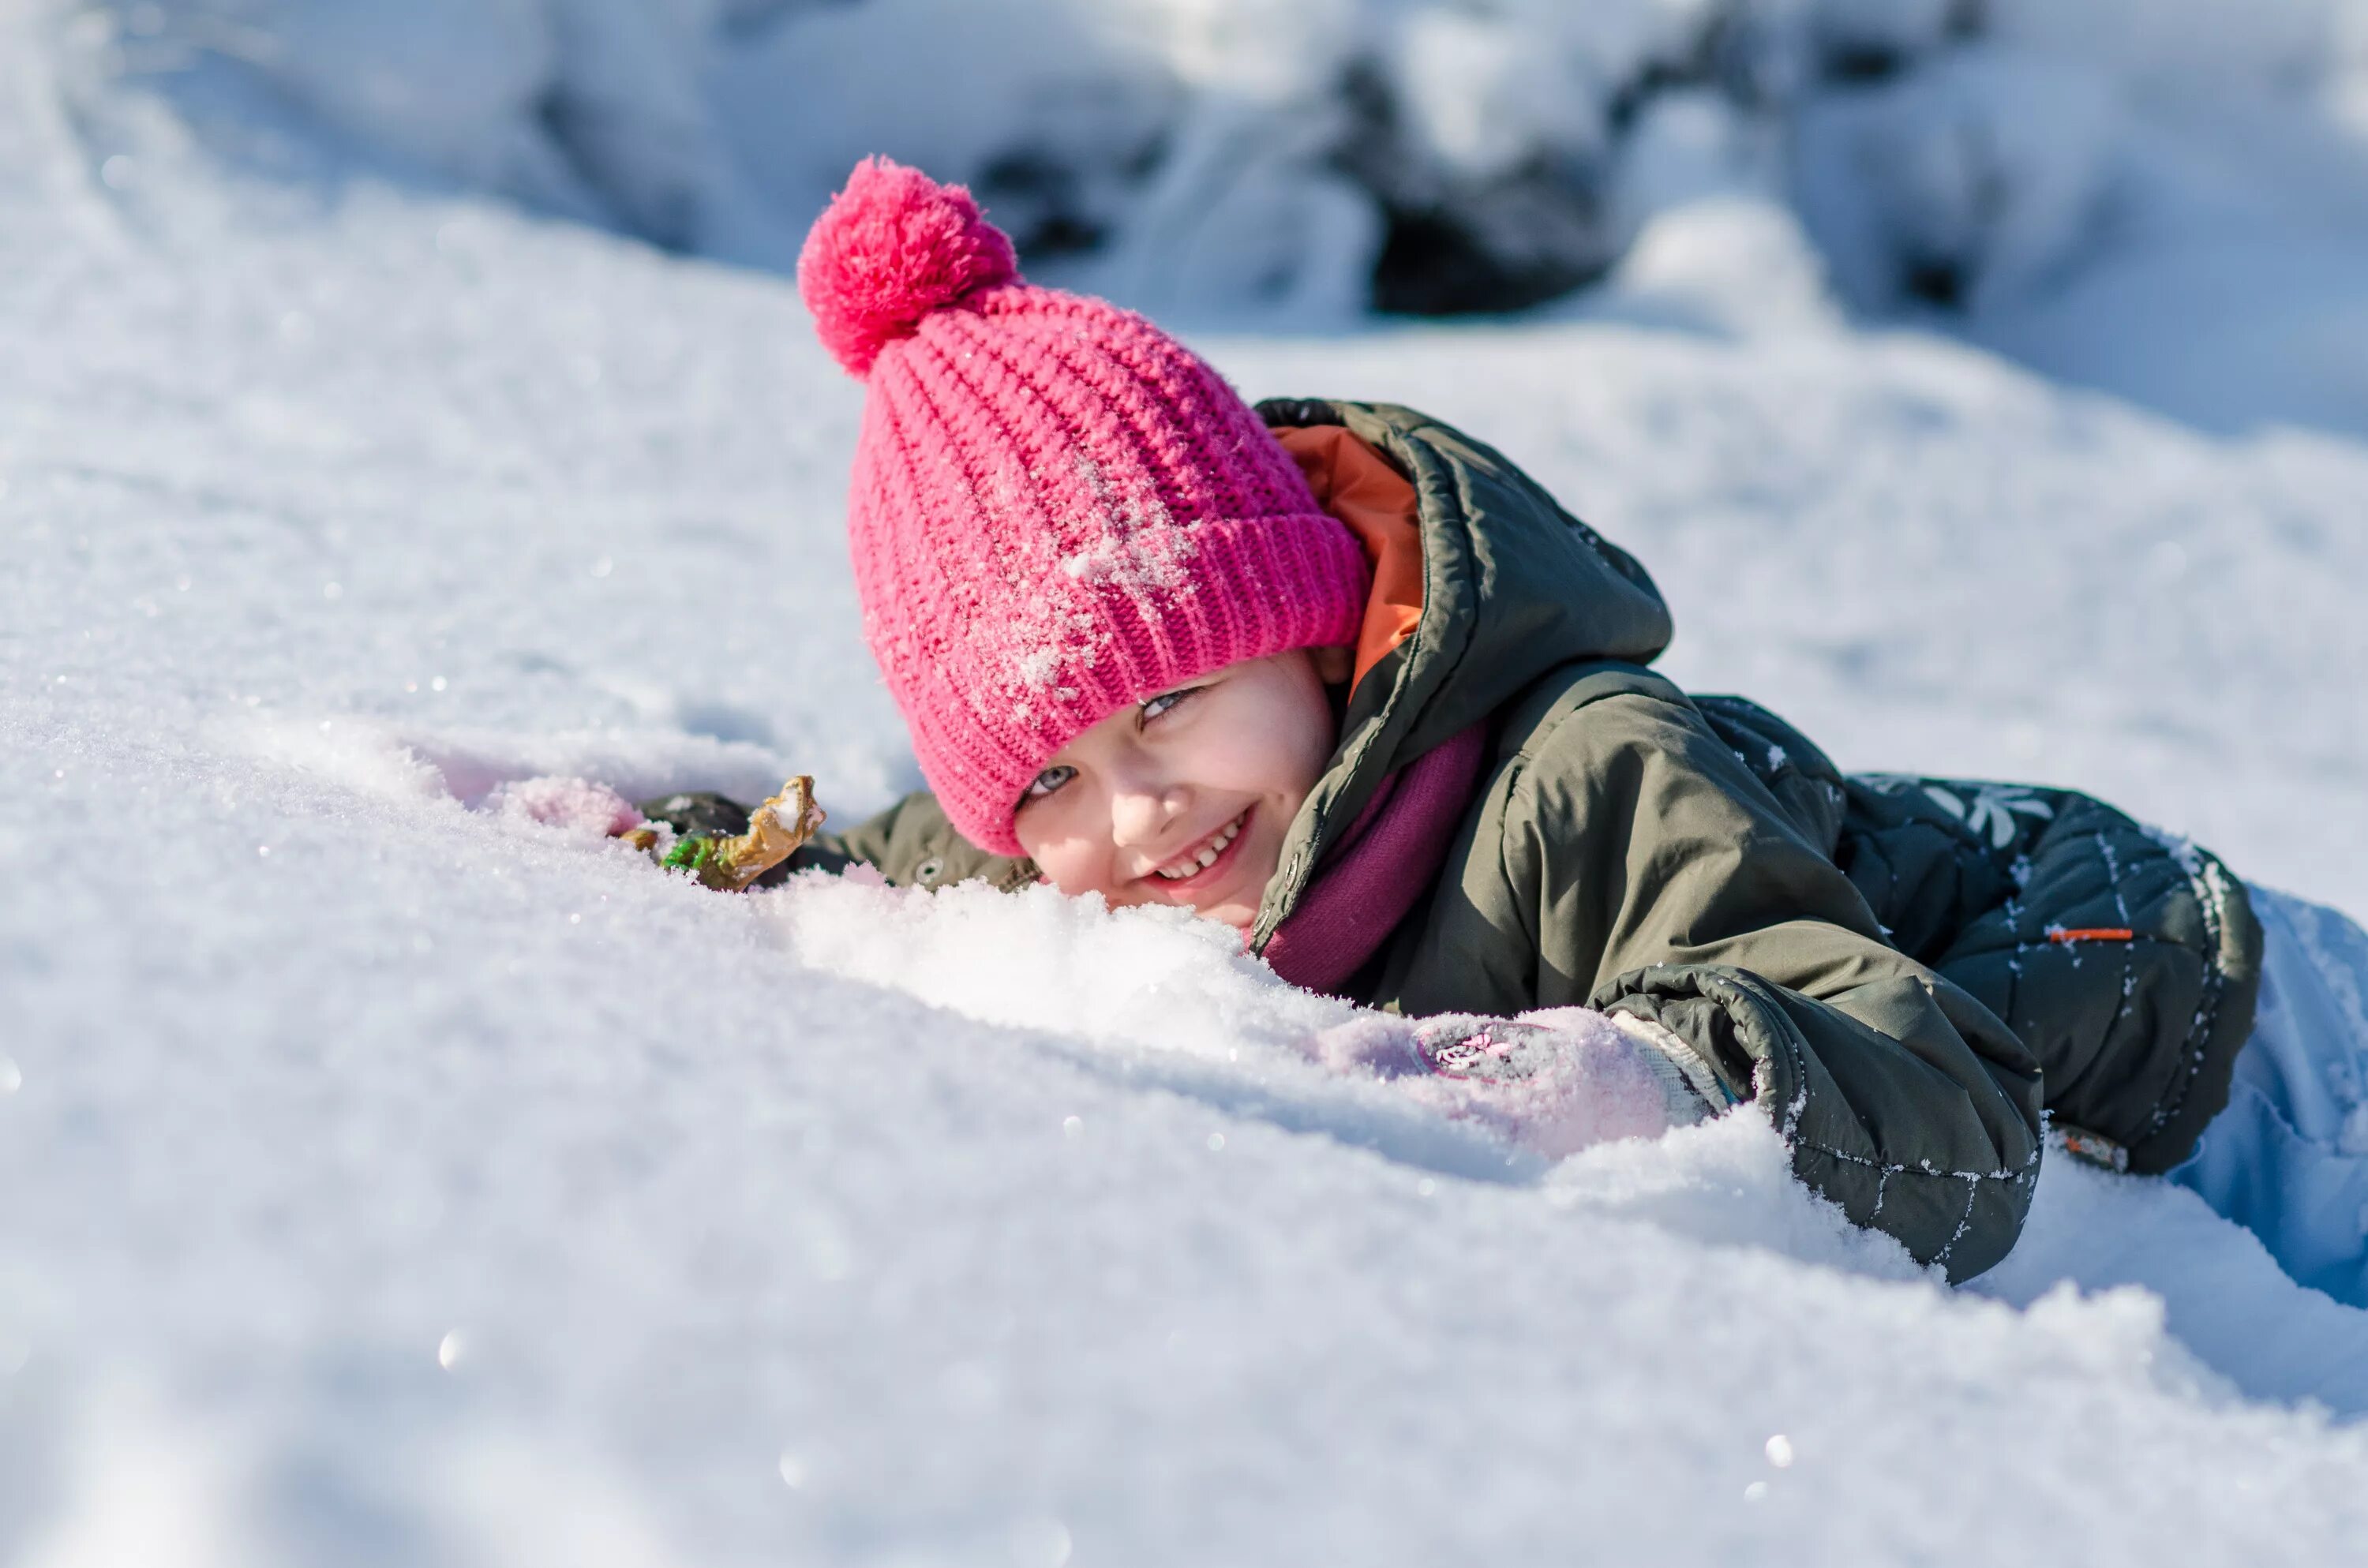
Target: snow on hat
x,y
1056,509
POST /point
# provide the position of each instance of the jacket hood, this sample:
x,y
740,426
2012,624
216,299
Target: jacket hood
x,y
1513,586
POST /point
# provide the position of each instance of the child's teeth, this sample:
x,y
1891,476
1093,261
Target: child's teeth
x,y
1208,856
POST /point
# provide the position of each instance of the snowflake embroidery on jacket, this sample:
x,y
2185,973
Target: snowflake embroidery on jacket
x,y
1991,810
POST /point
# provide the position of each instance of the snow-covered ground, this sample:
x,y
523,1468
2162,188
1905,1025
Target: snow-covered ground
x,y
386,1180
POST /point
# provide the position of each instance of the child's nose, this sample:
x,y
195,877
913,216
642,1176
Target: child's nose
x,y
1139,815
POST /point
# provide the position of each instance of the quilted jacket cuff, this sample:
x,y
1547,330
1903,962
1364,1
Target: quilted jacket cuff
x,y
1690,1090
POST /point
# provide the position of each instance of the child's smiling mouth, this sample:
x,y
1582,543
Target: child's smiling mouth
x,y
1199,866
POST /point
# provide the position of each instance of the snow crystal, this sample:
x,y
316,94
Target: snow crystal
x,y
1034,667
1133,563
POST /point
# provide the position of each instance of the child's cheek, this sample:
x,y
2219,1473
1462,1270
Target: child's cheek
x,y
1075,859
1246,760
1260,871
1065,865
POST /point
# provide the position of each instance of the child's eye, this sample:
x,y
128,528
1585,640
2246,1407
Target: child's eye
x,y
1152,707
1049,780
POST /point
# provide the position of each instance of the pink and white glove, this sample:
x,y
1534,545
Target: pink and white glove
x,y
1554,1081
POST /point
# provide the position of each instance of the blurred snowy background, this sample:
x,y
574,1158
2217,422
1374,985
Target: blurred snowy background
x,y
2166,198
397,401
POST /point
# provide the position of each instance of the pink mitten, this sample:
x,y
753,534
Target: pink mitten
x,y
1380,1043
571,805
1554,1081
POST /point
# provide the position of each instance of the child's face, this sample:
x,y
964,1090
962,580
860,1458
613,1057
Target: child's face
x,y
1184,797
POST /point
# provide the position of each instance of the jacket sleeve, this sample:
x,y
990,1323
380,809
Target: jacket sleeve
x,y
1665,881
911,843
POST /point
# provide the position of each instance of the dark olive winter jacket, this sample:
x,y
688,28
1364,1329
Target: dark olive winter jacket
x,y
1899,970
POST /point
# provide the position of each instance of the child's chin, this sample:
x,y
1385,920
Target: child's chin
x,y
1236,905
1224,907
1229,907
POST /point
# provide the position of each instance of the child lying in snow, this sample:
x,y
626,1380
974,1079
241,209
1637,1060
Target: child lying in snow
x,y
1348,680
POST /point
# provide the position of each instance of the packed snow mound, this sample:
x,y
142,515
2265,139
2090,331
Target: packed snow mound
x,y
402,1172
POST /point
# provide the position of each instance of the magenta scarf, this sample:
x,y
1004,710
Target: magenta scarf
x,y
1381,866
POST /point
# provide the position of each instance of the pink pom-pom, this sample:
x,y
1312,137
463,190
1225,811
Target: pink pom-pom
x,y
892,247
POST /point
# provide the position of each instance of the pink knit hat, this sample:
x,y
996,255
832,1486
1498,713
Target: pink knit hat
x,y
1056,509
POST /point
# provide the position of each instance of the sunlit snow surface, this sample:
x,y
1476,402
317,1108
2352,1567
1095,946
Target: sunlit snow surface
x,y
384,1180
